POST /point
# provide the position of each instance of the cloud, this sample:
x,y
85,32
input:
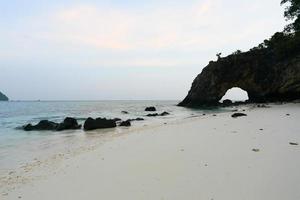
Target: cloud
x,y
103,33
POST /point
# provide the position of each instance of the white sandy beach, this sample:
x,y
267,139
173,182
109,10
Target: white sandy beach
x,y
201,158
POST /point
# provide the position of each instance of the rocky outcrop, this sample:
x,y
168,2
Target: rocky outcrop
x,y
99,123
265,77
3,97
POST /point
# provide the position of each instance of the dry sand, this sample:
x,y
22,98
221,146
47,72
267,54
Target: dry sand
x,y
208,157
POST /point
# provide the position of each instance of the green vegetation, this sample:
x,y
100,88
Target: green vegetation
x,y
292,12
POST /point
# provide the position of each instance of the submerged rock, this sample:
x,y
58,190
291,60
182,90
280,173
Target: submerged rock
x,y
150,109
125,123
43,125
294,143
124,112
67,124
98,123
235,115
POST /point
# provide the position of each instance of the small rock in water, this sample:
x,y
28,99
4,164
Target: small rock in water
x,y
214,115
294,143
150,109
255,150
235,115
152,115
261,129
124,112
164,114
287,114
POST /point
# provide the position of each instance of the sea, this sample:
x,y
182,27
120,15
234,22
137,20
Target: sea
x,y
18,147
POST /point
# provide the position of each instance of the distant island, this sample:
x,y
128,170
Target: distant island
x,y
3,97
269,72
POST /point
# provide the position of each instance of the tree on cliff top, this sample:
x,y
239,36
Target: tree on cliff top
x,y
292,12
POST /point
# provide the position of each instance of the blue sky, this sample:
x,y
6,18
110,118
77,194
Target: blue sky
x,y
113,49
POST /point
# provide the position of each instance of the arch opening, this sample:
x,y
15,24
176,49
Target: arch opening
x,y
235,94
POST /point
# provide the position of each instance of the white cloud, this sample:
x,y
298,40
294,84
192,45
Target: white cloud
x,y
206,25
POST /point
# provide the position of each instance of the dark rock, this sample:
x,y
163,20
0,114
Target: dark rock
x,y
43,125
255,150
98,123
287,114
262,106
164,114
67,124
227,102
294,143
125,123
266,78
3,97
137,119
117,119
150,109
235,115
124,112
153,115
156,114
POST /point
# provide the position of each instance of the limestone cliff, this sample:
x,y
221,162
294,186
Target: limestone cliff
x,y
3,97
266,73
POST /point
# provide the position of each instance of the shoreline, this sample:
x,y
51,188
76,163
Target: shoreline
x,y
201,157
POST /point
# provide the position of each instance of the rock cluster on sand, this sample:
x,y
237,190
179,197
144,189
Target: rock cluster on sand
x,y
98,123
43,125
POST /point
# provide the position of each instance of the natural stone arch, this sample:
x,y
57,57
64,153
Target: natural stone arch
x,y
263,79
235,94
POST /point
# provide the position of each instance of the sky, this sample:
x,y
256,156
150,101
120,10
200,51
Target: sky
x,y
122,49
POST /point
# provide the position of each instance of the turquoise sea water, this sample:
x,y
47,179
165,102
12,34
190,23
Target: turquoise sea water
x,y
18,147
